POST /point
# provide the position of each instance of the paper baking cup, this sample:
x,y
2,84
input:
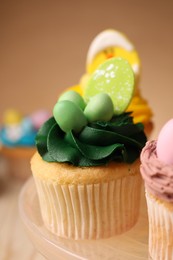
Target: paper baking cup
x,y
90,211
160,230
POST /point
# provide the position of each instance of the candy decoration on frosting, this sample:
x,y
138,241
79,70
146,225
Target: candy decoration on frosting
x,y
116,78
99,133
69,116
74,97
165,143
108,92
111,43
99,108
108,44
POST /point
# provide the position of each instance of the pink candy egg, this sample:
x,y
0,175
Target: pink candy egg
x,y
165,143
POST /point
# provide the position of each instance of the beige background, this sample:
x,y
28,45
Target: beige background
x,y
44,46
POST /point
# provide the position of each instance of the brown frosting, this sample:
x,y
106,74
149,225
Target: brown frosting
x,y
157,175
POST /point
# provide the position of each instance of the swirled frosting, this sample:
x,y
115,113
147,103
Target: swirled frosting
x,y
98,143
141,111
157,175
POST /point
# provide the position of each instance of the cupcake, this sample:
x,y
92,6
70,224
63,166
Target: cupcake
x,y
157,172
111,43
17,137
86,168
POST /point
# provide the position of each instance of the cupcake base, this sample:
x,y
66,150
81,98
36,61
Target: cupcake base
x,y
90,211
130,245
96,202
160,216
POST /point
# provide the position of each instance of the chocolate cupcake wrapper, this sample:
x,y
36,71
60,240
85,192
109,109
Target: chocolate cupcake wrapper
x,y
160,229
90,211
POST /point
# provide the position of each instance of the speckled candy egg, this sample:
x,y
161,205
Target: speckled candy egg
x,y
116,78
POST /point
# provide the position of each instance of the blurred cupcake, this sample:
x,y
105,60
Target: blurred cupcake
x,y
3,172
86,169
111,43
157,172
17,137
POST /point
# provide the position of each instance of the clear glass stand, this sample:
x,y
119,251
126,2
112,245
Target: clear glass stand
x,y
133,245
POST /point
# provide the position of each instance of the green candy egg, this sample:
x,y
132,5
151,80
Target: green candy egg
x,y
99,108
116,78
69,116
73,96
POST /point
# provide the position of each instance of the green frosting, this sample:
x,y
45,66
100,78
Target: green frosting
x,y
98,143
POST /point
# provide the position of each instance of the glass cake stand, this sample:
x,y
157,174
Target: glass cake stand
x,y
133,245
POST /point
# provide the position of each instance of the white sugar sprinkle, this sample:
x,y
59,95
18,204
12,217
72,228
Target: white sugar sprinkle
x,y
110,67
